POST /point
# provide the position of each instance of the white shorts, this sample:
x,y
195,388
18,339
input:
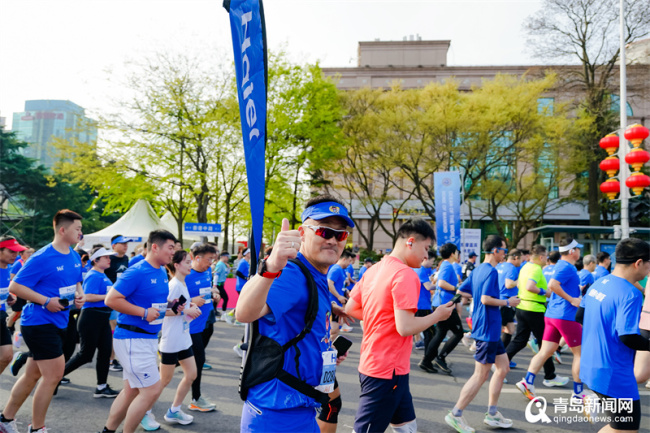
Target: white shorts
x,y
139,359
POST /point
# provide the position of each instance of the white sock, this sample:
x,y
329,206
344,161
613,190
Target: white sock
x,y
102,386
175,409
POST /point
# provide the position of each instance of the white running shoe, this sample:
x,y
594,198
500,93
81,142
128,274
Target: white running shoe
x,y
9,427
179,417
497,420
237,349
458,423
526,389
557,381
149,422
346,328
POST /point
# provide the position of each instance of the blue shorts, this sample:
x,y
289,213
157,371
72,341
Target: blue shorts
x,y
299,419
487,351
383,402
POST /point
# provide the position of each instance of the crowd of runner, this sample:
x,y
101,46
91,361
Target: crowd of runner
x,y
155,311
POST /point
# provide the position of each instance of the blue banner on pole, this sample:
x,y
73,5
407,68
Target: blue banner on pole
x,y
249,46
447,200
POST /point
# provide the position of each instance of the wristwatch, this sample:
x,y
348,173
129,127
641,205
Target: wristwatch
x,y
266,274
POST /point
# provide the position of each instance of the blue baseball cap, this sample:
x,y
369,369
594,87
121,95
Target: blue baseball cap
x,y
122,240
327,209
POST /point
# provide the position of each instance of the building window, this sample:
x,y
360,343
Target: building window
x,y
545,105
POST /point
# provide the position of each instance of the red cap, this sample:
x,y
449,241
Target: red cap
x,y
13,245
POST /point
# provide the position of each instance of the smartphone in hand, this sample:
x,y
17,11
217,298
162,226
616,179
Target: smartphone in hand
x,y
342,345
181,301
457,297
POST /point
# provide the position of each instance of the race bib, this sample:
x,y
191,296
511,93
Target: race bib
x,y
162,309
329,372
186,324
206,293
68,293
4,294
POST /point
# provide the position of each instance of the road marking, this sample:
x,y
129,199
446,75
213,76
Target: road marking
x,y
553,391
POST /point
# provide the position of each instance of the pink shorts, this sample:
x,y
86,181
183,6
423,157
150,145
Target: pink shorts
x,y
556,328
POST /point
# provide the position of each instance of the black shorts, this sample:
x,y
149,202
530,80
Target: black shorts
x,y
383,402
173,358
622,418
507,315
44,341
5,335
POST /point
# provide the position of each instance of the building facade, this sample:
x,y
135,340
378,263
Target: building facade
x,y
44,120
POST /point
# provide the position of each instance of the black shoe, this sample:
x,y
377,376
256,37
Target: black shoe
x,y
107,392
427,366
64,381
115,366
442,365
20,358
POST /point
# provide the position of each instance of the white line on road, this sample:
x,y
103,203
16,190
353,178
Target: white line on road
x,y
553,391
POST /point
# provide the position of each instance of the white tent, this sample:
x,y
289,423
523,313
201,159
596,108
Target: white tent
x,y
137,222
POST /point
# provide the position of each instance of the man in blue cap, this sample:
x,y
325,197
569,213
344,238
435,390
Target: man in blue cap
x,y
277,297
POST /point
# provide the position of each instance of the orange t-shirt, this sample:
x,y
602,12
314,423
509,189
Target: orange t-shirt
x,y
386,286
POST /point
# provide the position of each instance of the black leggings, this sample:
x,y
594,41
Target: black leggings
x,y
95,334
527,322
71,335
430,331
452,324
224,297
199,356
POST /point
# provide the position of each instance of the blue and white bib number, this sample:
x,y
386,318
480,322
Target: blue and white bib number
x,y
68,293
329,372
206,293
162,309
4,294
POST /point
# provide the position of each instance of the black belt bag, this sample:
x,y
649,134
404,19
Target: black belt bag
x,y
134,328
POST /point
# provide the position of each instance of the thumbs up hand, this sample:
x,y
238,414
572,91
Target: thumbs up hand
x,y
286,247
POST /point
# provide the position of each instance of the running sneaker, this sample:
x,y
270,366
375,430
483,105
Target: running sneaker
x,y
427,366
19,359
202,405
472,348
40,430
513,364
346,328
230,317
458,423
647,385
64,381
442,365
115,366
179,417
17,338
497,420
532,343
466,340
149,422
557,357
527,390
9,427
238,350
207,366
557,381
107,392
419,345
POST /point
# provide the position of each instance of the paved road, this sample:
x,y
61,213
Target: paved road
x,y
74,410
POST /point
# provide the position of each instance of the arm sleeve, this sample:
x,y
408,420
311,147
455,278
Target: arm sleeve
x,y
635,342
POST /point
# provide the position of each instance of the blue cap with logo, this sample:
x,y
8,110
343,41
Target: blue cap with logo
x,y
327,209
122,240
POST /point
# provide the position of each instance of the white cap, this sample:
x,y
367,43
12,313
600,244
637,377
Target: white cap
x,y
101,253
571,246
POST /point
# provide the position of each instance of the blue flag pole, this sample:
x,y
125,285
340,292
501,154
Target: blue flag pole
x,y
251,67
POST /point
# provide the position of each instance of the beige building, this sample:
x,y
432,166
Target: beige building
x,y
415,63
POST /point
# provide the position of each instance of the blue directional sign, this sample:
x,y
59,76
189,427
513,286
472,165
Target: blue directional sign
x,y
206,229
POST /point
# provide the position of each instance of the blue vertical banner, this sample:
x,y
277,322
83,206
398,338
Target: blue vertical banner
x,y
249,45
446,186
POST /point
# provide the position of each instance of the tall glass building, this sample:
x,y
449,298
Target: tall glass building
x,y
44,120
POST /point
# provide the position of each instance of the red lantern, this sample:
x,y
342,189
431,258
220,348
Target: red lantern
x,y
636,158
610,187
637,182
609,143
636,134
610,165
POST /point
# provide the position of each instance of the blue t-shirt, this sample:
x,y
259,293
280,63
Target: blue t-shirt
x,y
612,309
51,274
362,271
509,271
350,271
338,276
287,299
446,273
244,267
96,283
486,319
567,275
4,287
18,264
220,272
586,278
424,301
200,284
147,287
459,271
600,272
136,259
548,272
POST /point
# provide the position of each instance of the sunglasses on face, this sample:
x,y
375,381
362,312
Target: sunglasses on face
x,y
328,233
